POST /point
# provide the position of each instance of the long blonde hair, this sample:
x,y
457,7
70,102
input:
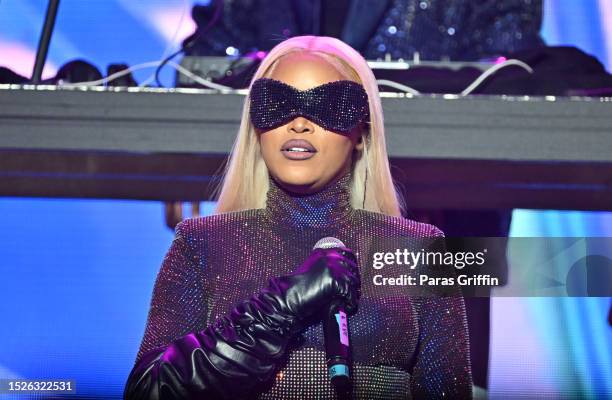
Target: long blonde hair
x,y
245,179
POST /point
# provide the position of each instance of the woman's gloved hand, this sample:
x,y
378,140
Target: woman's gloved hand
x,y
232,356
326,275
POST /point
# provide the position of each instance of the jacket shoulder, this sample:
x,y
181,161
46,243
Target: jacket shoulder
x,y
196,227
401,225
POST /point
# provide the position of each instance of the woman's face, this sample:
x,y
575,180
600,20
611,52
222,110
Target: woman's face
x,y
301,172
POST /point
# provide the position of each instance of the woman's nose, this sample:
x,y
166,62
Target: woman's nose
x,y
300,125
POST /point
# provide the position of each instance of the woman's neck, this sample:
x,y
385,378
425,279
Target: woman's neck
x,y
325,208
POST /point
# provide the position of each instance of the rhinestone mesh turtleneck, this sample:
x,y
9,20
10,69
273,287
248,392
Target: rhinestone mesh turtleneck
x,y
327,207
401,344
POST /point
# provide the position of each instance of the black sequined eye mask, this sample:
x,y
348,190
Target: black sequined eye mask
x,y
337,106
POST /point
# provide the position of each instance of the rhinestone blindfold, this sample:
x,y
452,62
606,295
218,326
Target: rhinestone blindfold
x,y
337,106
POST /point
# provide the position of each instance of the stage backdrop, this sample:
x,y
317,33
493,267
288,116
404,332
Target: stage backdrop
x,y
77,275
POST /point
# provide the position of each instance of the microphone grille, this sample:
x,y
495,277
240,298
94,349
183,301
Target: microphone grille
x,y
328,243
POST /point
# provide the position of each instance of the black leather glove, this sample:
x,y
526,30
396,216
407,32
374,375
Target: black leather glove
x,y
231,357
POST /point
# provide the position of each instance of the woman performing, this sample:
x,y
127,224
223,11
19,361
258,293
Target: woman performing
x,y
239,302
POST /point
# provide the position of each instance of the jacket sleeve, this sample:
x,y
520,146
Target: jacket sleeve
x,y
180,358
442,365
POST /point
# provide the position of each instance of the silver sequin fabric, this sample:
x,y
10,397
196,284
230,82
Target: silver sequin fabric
x,y
404,346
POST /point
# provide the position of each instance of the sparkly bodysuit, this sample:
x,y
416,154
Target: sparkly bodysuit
x,y
401,344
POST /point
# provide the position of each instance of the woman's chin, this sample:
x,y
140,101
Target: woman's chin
x,y
298,181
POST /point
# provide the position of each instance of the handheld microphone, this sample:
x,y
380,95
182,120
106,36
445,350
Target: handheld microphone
x,y
336,334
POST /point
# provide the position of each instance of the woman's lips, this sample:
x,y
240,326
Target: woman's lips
x,y
298,155
298,149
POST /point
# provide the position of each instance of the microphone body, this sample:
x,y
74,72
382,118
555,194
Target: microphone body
x,y
336,334
337,346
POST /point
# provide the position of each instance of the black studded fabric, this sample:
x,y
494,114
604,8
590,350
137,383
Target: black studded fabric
x,y
338,106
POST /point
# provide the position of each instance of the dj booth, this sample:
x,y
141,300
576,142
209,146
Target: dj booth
x,y
446,151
